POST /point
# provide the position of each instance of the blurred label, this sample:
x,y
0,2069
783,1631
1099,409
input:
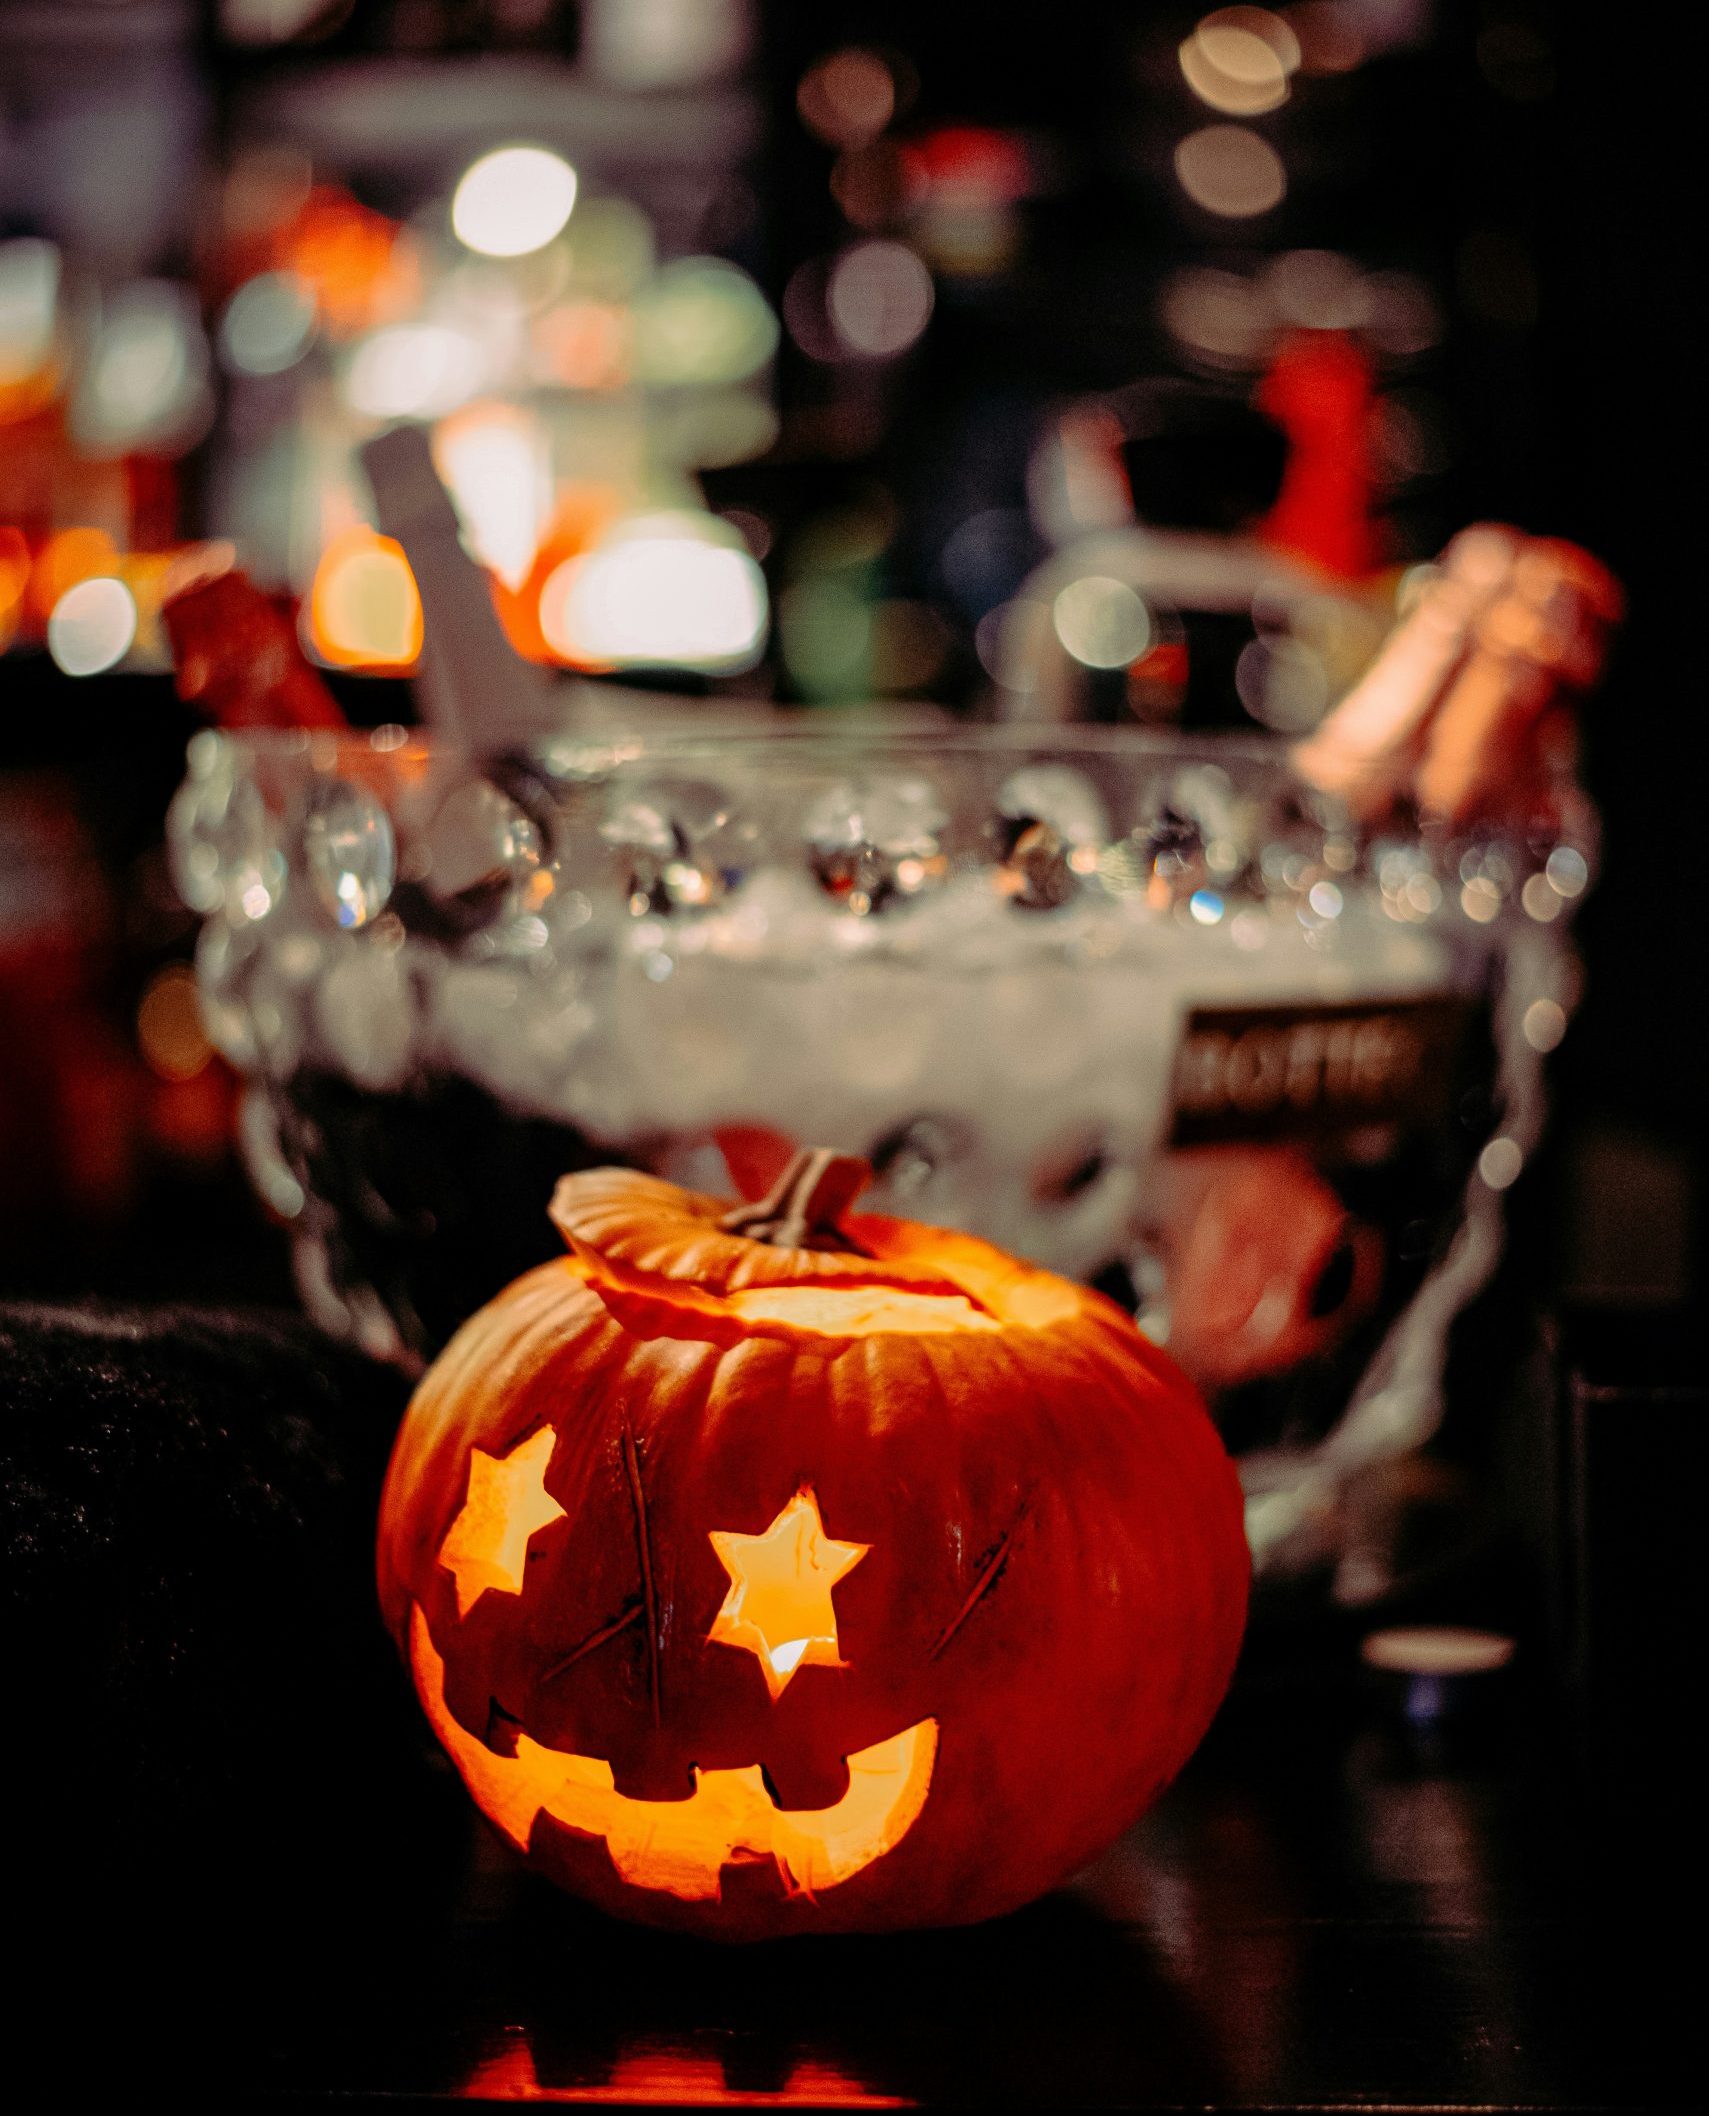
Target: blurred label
x,y
1287,1072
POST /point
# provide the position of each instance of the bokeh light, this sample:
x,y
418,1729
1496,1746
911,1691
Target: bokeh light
x,y
611,248
804,312
709,429
1230,171
1318,290
1500,1162
143,384
364,608
363,268
1540,901
1219,316
268,325
1567,871
879,298
1545,1024
67,557
664,590
847,98
1403,318
514,200
1331,40
1480,899
1010,642
169,1028
702,321
870,184
93,626
1239,59
1283,684
493,460
29,314
825,628
413,371
644,46
582,345
1102,622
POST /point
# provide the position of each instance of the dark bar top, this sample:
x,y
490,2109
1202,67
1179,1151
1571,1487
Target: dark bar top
x,y
240,1874
1331,1908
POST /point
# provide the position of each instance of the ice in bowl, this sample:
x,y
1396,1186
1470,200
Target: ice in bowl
x,y
1141,1007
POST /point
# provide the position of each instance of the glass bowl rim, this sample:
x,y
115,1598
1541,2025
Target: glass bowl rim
x,y
611,749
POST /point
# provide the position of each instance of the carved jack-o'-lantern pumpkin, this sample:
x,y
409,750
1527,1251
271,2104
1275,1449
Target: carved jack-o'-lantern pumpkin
x,y
764,1572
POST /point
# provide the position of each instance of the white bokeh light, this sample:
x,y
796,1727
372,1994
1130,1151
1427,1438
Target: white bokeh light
x,y
143,381
92,626
413,371
664,591
512,201
269,324
880,298
1102,622
29,306
1230,171
494,460
1239,59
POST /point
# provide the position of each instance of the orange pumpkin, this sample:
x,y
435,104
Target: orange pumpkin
x,y
766,1571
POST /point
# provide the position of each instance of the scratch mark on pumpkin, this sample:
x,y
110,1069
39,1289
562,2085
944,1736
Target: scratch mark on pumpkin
x,y
989,1574
649,1595
593,1641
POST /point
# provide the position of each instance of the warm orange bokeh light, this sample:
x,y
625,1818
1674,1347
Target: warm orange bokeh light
x,y
682,1846
169,1027
364,608
779,1604
361,266
581,515
64,560
507,1502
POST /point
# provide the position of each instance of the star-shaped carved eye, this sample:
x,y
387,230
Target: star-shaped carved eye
x,y
507,1502
779,1604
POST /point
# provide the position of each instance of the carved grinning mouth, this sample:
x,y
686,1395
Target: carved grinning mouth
x,y
682,1846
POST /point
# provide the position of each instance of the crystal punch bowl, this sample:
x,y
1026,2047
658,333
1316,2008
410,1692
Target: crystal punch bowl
x,y
1140,1007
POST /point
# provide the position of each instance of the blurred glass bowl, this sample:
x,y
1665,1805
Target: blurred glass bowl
x,y
1141,1007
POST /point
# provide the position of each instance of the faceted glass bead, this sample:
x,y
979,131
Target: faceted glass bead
x,y
222,840
876,841
351,854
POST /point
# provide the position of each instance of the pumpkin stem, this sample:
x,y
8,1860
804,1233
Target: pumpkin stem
x,y
801,1209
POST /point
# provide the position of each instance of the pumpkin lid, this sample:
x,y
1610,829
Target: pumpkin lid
x,y
638,1237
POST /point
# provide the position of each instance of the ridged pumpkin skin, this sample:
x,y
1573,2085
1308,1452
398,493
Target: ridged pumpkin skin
x,y
1052,1591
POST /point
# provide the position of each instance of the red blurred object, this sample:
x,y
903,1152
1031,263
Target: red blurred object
x,y
237,657
968,159
1319,391
1265,1269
